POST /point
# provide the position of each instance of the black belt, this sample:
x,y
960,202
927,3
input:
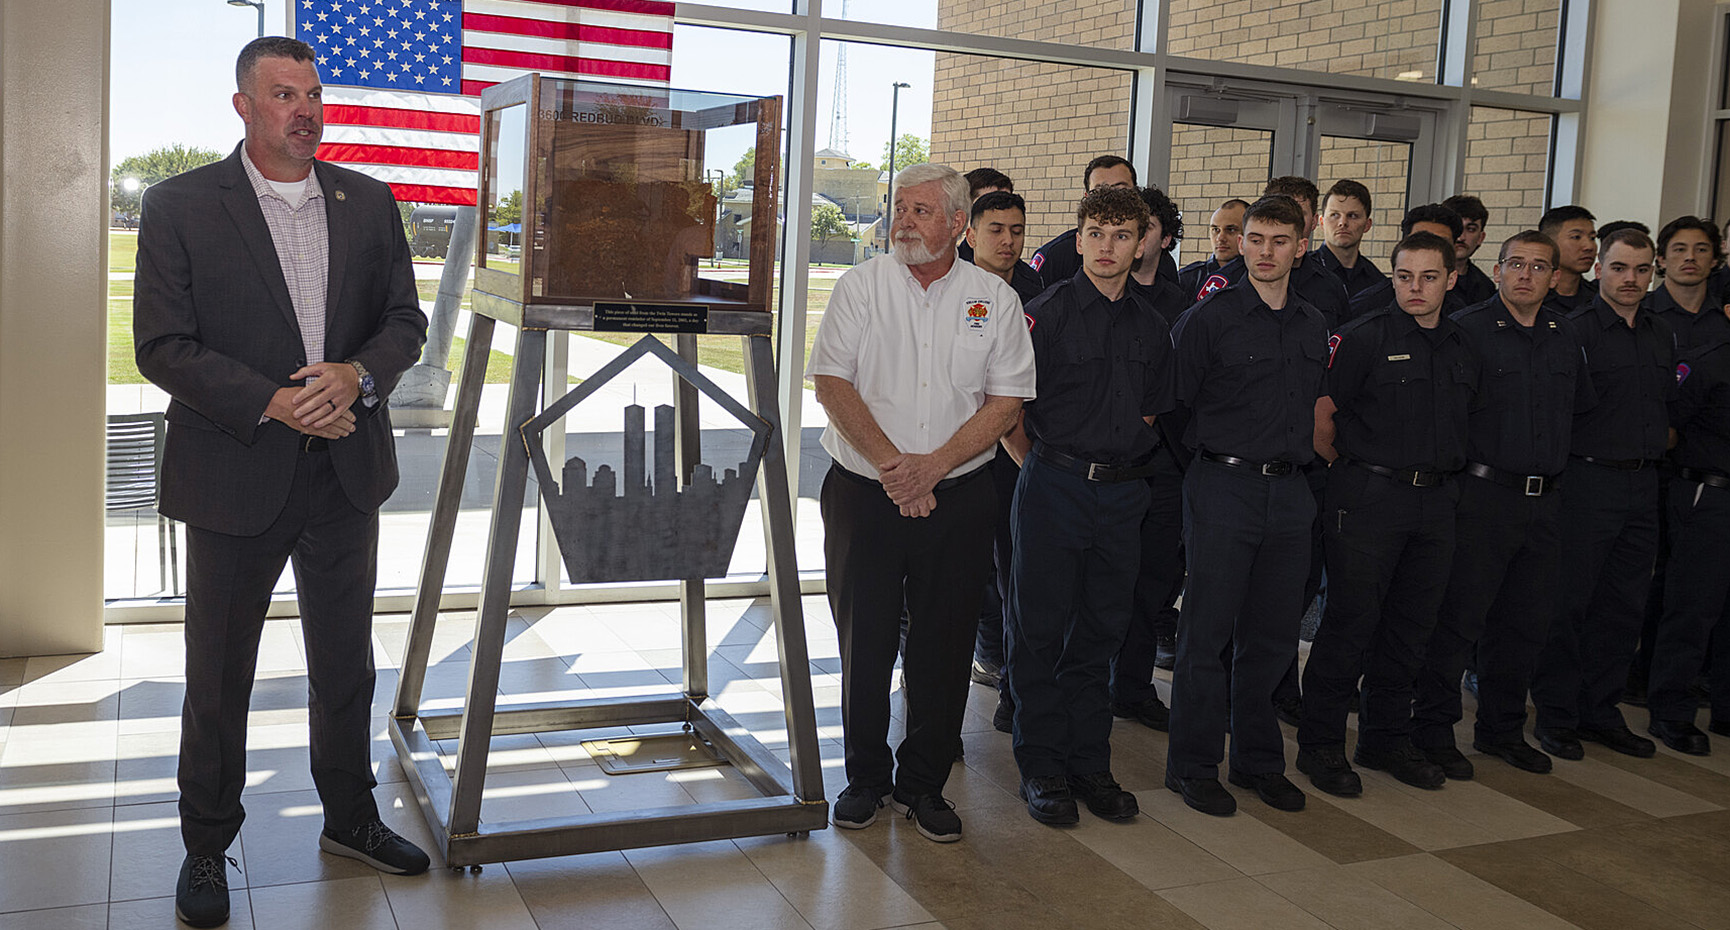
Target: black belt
x,y
1709,478
943,485
1619,464
1094,471
313,443
1412,476
1532,485
1270,469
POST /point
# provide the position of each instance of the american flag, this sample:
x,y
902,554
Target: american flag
x,y
402,78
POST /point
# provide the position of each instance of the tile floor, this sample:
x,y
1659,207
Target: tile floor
x,y
89,839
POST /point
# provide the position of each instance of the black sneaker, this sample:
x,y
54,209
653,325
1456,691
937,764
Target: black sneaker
x,y
1151,713
985,673
1049,800
1003,718
201,894
1165,652
1104,796
1404,763
857,807
1329,771
931,813
378,846
1451,761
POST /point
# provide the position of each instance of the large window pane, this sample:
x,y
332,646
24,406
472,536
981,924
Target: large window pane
x,y
1107,23
1210,165
1507,162
1378,38
1517,46
1384,168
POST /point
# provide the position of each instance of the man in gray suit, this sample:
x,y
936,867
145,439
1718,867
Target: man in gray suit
x,y
275,303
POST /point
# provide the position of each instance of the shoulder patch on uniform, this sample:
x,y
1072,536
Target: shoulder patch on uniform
x,y
1213,283
1038,260
1682,371
1333,346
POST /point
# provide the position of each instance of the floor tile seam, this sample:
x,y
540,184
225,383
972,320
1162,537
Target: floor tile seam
x,y
638,874
55,907
1582,876
1375,884
775,885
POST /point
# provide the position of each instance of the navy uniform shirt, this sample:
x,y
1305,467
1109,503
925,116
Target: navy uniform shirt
x,y
1057,261
1532,382
1633,372
1166,297
1381,296
1310,280
1690,328
1193,277
1718,283
1474,287
1356,279
1567,306
1402,391
1101,367
1701,410
1022,277
1249,375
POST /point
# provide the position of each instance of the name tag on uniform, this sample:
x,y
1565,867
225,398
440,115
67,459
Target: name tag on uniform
x,y
976,317
1399,358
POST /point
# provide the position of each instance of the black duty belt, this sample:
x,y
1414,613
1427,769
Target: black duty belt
x,y
1709,478
313,443
1270,469
1094,471
1417,478
1619,464
1531,485
943,485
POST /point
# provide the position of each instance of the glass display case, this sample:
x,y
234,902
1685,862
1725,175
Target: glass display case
x,y
606,207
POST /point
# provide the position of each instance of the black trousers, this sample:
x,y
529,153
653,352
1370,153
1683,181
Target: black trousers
x,y
1696,603
1500,597
879,561
1610,529
1247,539
334,549
1157,583
1389,547
1077,551
993,635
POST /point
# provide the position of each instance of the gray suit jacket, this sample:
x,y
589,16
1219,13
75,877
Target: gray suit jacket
x,y
213,326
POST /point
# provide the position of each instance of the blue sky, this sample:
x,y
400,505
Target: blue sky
x,y
173,73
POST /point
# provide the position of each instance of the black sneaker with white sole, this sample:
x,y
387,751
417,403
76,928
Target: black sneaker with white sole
x,y
931,813
857,806
201,893
376,845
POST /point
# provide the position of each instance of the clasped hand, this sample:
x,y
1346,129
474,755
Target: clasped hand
x,y
909,481
322,407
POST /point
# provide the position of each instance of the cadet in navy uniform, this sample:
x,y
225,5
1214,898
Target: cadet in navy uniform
x,y
1502,588
1224,229
1474,287
1609,509
1573,228
1248,368
1345,221
1103,357
995,236
1153,626
1698,596
1318,287
1431,218
1058,259
1393,423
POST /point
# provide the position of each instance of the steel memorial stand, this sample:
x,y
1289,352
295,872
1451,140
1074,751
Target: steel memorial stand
x,y
792,800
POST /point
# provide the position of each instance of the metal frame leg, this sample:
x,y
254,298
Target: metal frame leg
x,y
693,594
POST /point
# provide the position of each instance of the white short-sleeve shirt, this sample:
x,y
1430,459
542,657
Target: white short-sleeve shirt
x,y
923,359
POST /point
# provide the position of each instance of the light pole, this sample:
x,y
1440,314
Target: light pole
x,y
894,112
260,5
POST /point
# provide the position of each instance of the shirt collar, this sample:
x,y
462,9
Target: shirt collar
x,y
261,185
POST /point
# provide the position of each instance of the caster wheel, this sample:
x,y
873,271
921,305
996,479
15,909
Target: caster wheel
x,y
474,870
457,869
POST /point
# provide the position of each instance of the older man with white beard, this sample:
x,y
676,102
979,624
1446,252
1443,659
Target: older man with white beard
x,y
922,363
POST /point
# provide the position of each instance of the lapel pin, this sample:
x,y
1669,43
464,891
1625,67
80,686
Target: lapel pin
x,y
341,196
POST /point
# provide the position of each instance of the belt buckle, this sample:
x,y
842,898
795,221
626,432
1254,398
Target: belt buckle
x,y
1093,470
1418,479
1275,469
1534,485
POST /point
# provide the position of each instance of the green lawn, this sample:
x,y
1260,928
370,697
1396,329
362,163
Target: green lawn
x,y
723,352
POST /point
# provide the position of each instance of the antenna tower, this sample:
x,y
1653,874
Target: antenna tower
x,y
838,115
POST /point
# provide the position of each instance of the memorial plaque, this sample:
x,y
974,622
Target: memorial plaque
x,y
650,318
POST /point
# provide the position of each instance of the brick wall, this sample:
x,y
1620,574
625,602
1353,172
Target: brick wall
x,y
1507,156
1384,168
1378,38
1517,46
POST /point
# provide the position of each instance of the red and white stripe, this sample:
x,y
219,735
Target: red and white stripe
x,y
425,146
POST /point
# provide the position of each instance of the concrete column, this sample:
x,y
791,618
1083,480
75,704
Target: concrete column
x,y
53,322
1649,88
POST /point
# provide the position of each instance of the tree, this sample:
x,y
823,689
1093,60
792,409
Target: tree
x,y
910,150
827,222
508,210
140,171
744,172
